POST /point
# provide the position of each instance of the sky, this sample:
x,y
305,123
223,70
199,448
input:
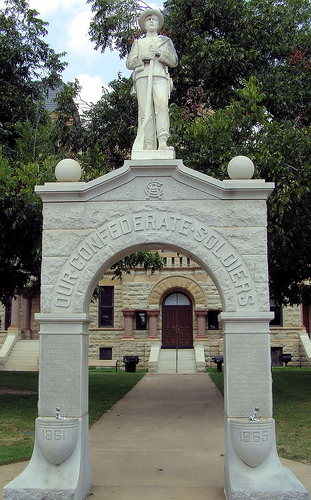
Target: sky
x,y
68,26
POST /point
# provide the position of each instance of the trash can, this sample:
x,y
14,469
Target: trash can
x,y
130,363
218,360
286,358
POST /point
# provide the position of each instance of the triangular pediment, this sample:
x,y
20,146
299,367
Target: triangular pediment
x,y
141,180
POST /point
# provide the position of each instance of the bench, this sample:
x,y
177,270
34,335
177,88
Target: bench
x,y
104,363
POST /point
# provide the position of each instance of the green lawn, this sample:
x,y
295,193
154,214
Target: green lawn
x,y
18,406
18,411
291,411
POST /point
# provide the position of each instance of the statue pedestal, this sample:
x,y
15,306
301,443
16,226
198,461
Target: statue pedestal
x,y
166,154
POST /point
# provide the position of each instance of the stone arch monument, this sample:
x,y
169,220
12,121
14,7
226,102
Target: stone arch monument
x,y
87,227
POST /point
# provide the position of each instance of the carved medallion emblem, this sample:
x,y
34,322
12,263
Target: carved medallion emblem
x,y
153,190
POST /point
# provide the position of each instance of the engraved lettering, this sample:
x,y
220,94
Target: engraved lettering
x,y
215,252
164,223
175,219
150,221
54,435
94,242
229,260
68,278
237,274
185,226
243,287
125,226
199,236
114,230
243,301
102,232
254,436
77,265
138,223
210,242
265,436
85,253
65,289
60,302
105,234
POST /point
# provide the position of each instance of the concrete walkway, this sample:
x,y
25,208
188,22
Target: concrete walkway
x,y
165,440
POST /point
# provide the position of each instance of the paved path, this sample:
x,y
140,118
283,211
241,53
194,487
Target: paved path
x,y
163,440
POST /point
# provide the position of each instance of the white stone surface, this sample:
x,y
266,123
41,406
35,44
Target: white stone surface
x,y
267,481
7,347
153,204
241,167
71,480
306,342
168,154
68,170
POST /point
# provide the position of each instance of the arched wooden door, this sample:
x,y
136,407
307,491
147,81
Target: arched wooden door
x,y
177,321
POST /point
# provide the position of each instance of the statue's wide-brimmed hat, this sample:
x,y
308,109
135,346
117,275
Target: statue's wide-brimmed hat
x,y
150,12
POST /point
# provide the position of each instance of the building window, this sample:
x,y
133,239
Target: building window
x,y
105,353
278,317
276,356
212,320
8,311
141,320
105,308
306,315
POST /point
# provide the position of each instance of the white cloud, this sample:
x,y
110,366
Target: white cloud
x,y
48,6
92,88
78,34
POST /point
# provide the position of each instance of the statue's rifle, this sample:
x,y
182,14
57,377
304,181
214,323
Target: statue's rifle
x,y
139,141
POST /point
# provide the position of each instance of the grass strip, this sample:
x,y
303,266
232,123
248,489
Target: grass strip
x,y
18,406
291,411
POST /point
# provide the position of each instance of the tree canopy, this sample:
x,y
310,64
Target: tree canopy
x,y
242,86
28,68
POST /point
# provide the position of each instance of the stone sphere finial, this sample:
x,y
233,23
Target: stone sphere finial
x,y
240,167
68,170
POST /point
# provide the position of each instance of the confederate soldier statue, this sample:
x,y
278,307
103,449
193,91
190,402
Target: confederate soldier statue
x,y
150,58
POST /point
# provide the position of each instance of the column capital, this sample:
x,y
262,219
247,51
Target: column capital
x,y
153,312
128,313
201,312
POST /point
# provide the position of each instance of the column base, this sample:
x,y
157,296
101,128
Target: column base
x,y
252,466
70,479
15,330
27,334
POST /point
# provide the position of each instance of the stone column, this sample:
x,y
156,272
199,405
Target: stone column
x,y
201,319
15,311
27,318
153,323
128,323
250,455
61,450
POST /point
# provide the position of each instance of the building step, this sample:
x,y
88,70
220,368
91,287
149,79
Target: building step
x,y
24,356
186,361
